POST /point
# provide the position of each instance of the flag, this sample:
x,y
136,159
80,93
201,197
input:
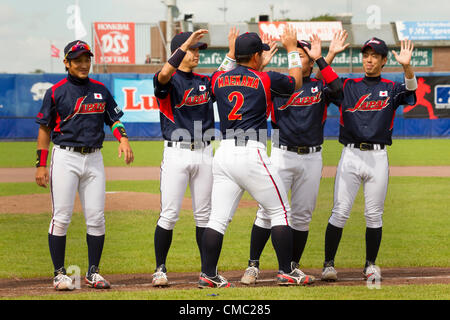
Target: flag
x,y
74,21
54,51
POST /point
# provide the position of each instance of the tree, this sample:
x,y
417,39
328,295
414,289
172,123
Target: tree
x,y
38,71
323,17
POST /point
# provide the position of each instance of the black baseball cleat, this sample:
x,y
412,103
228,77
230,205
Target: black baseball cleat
x,y
94,280
213,282
295,278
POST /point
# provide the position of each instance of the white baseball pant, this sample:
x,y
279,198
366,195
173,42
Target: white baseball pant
x,y
240,168
178,168
70,172
300,173
370,168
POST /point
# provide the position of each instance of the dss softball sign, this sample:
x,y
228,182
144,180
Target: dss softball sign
x,y
114,43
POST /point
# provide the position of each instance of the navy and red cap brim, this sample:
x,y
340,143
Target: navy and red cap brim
x,y
76,54
302,44
379,47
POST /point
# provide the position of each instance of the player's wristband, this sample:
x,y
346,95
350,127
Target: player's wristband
x,y
41,158
227,64
118,131
176,58
411,84
294,60
327,72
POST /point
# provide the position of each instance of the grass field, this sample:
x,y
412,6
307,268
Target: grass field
x,y
415,233
408,152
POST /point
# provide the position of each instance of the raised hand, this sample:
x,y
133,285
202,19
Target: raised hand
x,y
316,47
268,55
404,58
232,35
289,38
193,39
338,44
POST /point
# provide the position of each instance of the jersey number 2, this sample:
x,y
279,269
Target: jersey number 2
x,y
233,115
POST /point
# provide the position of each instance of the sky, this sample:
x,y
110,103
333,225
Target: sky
x,y
27,27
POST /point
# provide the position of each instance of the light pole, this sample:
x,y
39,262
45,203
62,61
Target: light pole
x,y
224,9
171,4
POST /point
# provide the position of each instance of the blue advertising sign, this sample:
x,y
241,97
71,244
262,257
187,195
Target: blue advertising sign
x,y
423,30
136,99
442,96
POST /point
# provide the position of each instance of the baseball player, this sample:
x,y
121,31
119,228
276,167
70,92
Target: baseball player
x,y
187,125
244,99
367,113
296,151
73,115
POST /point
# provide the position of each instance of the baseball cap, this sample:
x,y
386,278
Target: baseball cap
x,y
302,44
249,43
181,38
378,45
76,48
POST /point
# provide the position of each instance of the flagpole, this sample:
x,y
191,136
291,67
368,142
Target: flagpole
x,y
51,60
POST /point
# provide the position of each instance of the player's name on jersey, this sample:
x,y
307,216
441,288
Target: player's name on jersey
x,y
238,80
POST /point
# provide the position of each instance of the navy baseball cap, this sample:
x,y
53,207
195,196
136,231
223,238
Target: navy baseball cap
x,y
378,45
249,43
181,38
76,48
302,44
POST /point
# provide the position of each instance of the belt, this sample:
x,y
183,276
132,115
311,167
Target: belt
x,y
365,146
82,150
299,149
188,145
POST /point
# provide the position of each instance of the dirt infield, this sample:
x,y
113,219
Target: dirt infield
x,y
123,201
177,281
152,173
117,201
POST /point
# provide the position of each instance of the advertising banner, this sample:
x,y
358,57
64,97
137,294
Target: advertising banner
x,y
422,57
137,100
324,29
114,43
433,99
423,30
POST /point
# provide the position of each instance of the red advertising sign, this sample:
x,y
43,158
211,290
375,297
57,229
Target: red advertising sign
x,y
114,43
324,29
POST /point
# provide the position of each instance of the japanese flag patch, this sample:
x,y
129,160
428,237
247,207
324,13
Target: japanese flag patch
x,y
98,96
202,87
314,89
383,93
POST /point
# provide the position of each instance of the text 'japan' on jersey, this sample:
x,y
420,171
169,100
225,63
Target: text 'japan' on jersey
x,y
184,102
77,112
300,118
368,108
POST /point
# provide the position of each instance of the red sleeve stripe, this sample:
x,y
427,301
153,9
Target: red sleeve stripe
x,y
97,82
165,107
265,80
56,86
328,74
214,78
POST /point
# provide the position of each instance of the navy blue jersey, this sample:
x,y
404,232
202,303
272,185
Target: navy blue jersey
x,y
245,97
185,99
77,111
368,109
300,118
